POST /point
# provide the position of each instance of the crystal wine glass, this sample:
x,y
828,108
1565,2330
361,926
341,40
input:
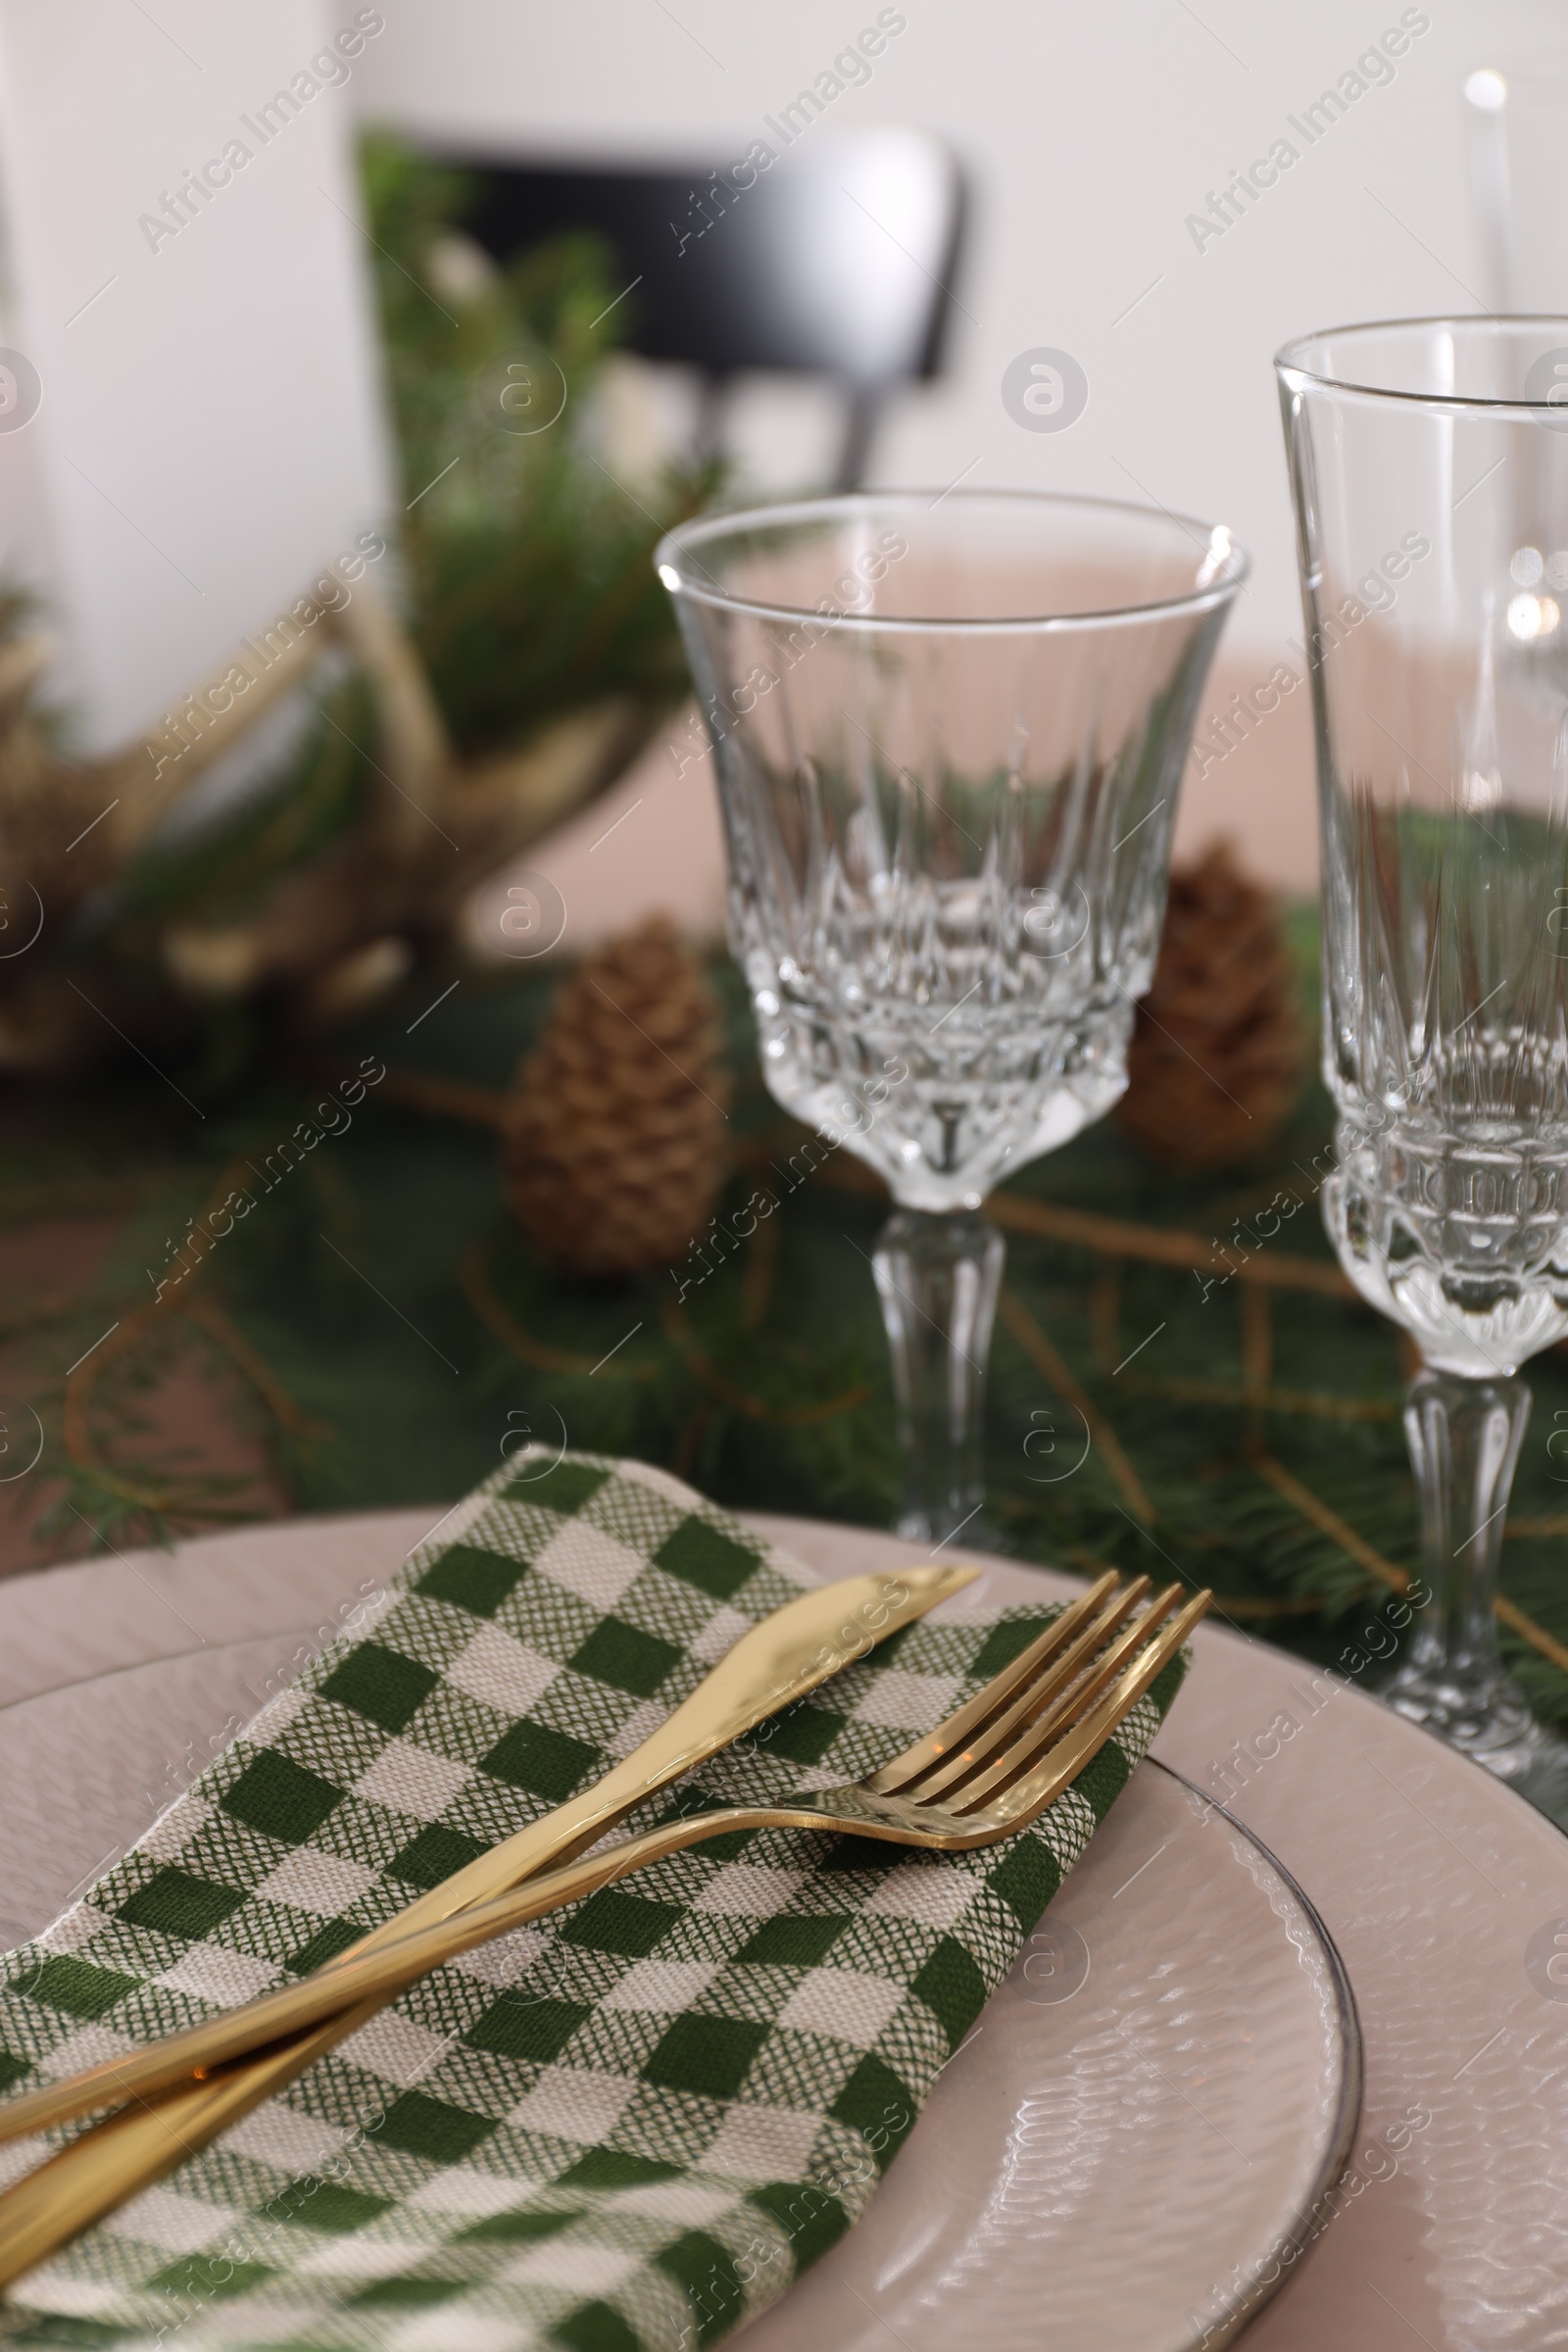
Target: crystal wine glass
x,y
949,734
1429,460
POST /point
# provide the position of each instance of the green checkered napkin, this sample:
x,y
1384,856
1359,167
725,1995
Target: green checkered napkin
x,y
624,2130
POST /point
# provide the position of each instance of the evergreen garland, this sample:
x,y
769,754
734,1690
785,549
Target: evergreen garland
x,y
1253,1442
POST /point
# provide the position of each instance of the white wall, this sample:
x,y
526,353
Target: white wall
x,y
1088,135
209,433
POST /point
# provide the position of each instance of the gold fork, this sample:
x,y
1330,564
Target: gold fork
x,y
989,1770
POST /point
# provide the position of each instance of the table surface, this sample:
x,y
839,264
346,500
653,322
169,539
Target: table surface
x,y
1440,1889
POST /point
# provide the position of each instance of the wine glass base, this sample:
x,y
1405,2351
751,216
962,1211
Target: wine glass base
x,y
1491,1722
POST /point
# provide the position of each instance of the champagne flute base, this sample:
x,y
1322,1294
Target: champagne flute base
x,y
1488,1720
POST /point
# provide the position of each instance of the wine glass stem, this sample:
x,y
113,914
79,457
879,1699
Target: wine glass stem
x,y
1464,1438
938,1277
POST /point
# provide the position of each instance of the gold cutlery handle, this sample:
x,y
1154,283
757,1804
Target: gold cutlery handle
x,y
143,2143
789,1653
373,1971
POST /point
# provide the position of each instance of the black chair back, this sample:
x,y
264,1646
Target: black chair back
x,y
837,259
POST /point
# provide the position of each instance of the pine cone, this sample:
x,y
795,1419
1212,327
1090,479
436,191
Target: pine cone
x,y
614,1144
1216,1056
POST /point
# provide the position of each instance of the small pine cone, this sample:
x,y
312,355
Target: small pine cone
x,y
1217,1052
614,1140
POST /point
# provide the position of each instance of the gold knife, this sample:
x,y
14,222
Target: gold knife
x,y
790,1652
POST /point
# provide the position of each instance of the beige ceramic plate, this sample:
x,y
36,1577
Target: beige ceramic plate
x,y
1123,2158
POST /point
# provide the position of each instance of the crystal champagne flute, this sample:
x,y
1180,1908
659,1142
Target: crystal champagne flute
x,y
1429,462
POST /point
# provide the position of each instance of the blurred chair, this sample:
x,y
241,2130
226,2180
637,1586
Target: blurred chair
x,y
838,262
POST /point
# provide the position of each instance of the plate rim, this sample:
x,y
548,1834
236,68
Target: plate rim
x,y
1351,2042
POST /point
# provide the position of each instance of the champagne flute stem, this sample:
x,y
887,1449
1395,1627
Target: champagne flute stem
x,y
1464,1438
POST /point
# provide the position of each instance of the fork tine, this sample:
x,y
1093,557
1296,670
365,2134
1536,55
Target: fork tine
x,y
1076,1747
1035,1738
1002,1730
975,1713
